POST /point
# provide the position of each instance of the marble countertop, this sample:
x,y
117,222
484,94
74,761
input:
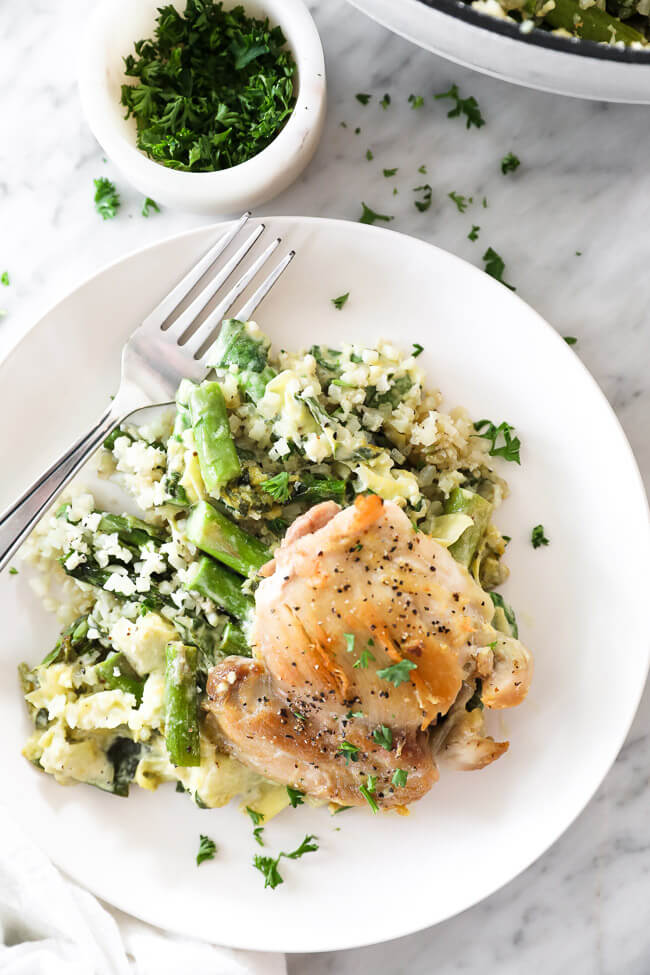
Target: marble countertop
x,y
572,226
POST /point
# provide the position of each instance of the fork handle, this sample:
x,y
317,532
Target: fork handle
x,y
19,519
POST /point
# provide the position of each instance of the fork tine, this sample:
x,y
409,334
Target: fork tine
x,y
163,310
205,332
184,322
257,297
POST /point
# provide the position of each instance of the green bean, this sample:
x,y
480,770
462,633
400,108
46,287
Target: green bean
x,y
222,586
215,446
182,705
117,672
479,510
214,533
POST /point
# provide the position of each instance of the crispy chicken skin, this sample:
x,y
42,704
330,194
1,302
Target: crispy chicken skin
x,y
349,594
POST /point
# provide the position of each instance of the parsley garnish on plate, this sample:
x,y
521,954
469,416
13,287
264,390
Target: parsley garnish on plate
x,y
340,301
349,641
460,201
4,278
363,98
398,673
464,106
509,163
269,865
416,101
495,266
484,203
295,796
385,102
207,849
277,487
425,202
257,833
368,792
383,736
417,350
473,234
369,155
256,817
13,571
390,172
349,750
570,339
399,778
364,658
370,216
509,449
422,169
107,201
149,205
354,714
213,87
538,537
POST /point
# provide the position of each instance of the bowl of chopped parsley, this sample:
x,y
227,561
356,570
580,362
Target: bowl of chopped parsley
x,y
210,106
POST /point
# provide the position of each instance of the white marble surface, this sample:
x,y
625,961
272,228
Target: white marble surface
x,y
584,185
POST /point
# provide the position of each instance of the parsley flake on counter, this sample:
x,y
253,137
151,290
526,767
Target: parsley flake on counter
x,y
256,817
422,169
368,792
13,571
484,203
398,673
473,234
4,277
383,736
509,163
510,447
149,205
207,849
340,301
257,833
417,350
570,339
390,172
295,796
495,266
369,155
370,216
357,130
107,201
385,102
578,253
461,202
416,101
268,866
363,98
538,537
464,106
213,87
399,778
425,202
277,486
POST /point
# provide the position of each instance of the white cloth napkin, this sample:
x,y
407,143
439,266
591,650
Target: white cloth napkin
x,y
49,926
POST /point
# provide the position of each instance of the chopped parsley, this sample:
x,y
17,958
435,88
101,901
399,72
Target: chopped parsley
x,y
422,169
295,796
484,203
425,202
349,641
509,163
349,750
340,301
495,266
460,201
390,172
148,205
277,487
399,778
4,277
207,850
383,736
13,571
357,131
570,339
417,350
416,101
398,673
463,106
370,216
368,792
369,155
256,817
578,253
363,98
107,201
473,234
257,833
354,714
213,87
364,658
268,866
509,449
538,537
385,102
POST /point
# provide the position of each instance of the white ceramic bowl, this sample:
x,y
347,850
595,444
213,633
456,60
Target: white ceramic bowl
x,y
110,34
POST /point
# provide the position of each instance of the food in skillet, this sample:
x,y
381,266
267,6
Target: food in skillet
x,y
305,604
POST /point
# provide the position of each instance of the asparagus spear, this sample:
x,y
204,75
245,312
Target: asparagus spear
x,y
504,618
218,458
479,510
214,533
219,584
236,347
233,641
131,531
592,24
182,705
118,673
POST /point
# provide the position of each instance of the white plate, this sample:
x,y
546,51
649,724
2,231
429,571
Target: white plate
x,y
539,59
580,602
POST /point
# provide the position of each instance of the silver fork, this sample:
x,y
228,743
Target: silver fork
x,y
154,360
